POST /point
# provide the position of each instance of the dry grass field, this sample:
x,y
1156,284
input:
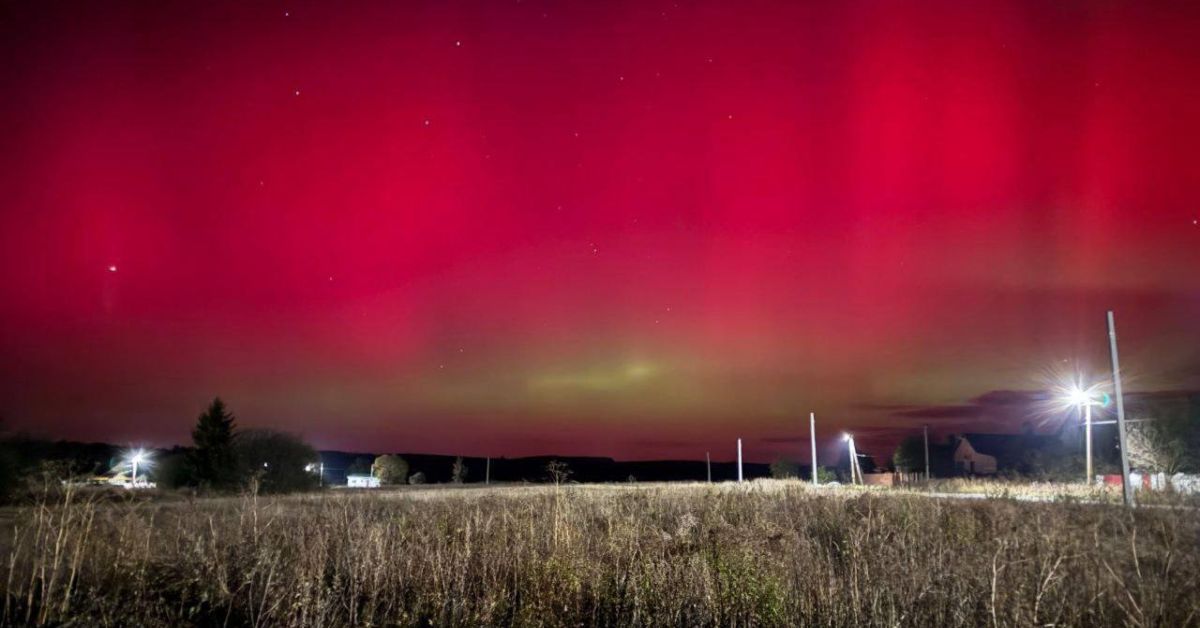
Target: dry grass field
x,y
767,553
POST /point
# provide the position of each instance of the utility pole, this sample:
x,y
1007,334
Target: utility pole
x,y
739,460
926,453
855,471
487,471
1087,435
1126,489
708,465
812,439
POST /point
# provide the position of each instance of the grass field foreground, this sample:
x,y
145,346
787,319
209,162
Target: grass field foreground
x,y
768,553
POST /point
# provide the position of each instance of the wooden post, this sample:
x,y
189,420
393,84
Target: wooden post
x,y
739,460
812,439
1126,489
487,471
708,465
926,453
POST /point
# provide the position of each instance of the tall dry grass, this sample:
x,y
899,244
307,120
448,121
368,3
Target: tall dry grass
x,y
770,553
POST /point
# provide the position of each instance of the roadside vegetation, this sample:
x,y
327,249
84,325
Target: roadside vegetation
x,y
767,553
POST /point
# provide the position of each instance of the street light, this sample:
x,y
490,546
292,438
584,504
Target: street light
x,y
1084,398
855,471
136,458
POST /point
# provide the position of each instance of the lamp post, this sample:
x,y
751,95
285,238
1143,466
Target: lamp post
x,y
855,471
137,458
1084,399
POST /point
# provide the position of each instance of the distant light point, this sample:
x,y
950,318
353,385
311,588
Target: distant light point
x,y
458,43
426,122
297,92
286,13
112,268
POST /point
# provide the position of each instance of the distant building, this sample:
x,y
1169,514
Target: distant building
x,y
987,454
362,481
971,461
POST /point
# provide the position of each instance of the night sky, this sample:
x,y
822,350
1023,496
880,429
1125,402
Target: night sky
x,y
632,229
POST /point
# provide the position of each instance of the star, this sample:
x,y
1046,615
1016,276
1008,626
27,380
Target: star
x,y
427,122
297,92
457,42
112,268
286,13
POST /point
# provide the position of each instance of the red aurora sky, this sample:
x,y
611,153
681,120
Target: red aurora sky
x,y
634,229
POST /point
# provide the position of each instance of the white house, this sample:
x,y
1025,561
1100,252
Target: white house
x,y
362,481
968,460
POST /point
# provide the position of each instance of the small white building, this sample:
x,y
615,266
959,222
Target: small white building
x,y
362,481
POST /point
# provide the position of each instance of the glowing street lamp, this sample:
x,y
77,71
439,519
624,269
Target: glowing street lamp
x,y
1084,399
855,471
136,458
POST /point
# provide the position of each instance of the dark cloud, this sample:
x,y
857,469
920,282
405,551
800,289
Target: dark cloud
x,y
991,404
941,412
1011,397
785,440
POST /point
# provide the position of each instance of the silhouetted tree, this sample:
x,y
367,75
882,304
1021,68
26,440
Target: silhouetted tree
x,y
8,464
277,460
1166,434
558,471
910,455
458,472
173,468
360,466
213,461
782,469
390,469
